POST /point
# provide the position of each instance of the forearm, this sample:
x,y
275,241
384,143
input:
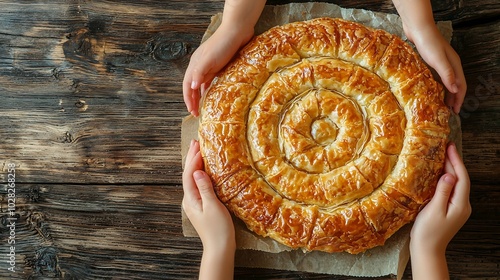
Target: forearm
x,y
242,15
416,16
414,12
217,264
428,265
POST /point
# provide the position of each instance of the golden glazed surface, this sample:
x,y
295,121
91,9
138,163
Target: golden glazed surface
x,y
325,135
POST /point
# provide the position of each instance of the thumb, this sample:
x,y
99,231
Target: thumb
x,y
447,74
204,185
443,192
197,78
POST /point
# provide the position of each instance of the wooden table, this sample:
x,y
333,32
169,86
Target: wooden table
x,y
91,108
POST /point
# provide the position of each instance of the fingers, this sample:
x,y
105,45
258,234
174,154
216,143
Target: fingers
x,y
190,90
193,89
193,78
452,75
448,167
443,64
462,190
454,185
205,188
191,98
439,54
446,72
443,192
198,76
456,161
193,163
460,83
447,64
200,71
196,183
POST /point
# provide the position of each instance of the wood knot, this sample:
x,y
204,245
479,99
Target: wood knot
x,y
167,50
81,105
95,162
79,44
34,194
45,262
36,221
67,137
96,26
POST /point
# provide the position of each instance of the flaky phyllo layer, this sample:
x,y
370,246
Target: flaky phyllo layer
x,y
325,135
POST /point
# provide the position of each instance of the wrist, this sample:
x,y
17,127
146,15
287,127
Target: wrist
x,y
221,247
238,34
219,250
239,18
428,263
217,262
220,254
426,248
424,34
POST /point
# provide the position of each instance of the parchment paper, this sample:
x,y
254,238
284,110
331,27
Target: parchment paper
x,y
256,251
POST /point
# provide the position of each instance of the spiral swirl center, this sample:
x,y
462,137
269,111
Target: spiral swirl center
x,y
321,130
324,131
321,140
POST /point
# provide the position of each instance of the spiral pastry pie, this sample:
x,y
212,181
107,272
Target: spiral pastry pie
x,y
325,135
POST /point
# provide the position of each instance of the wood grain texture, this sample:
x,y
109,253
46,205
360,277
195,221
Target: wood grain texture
x,y
100,82
103,231
479,49
90,113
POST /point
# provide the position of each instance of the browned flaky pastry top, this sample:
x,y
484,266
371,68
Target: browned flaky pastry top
x,y
325,135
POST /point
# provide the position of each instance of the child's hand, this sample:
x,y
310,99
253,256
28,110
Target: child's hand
x,y
236,29
209,59
448,210
438,53
208,215
419,27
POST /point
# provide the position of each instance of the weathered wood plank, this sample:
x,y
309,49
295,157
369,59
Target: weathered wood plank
x,y
90,98
104,231
99,90
130,144
104,92
459,12
479,49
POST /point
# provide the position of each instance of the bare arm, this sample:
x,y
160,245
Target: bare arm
x,y
209,217
440,220
237,27
242,14
419,27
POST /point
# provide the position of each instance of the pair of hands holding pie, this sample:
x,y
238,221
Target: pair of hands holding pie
x,y
237,28
433,229
435,225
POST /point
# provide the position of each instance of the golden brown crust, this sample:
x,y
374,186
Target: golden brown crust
x,y
325,135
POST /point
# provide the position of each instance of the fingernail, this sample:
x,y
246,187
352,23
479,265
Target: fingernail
x,y
192,143
198,175
454,88
194,85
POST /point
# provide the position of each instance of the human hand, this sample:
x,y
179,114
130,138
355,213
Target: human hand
x,y
438,53
208,215
208,60
447,211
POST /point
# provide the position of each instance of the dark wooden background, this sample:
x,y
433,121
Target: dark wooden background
x,y
90,114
